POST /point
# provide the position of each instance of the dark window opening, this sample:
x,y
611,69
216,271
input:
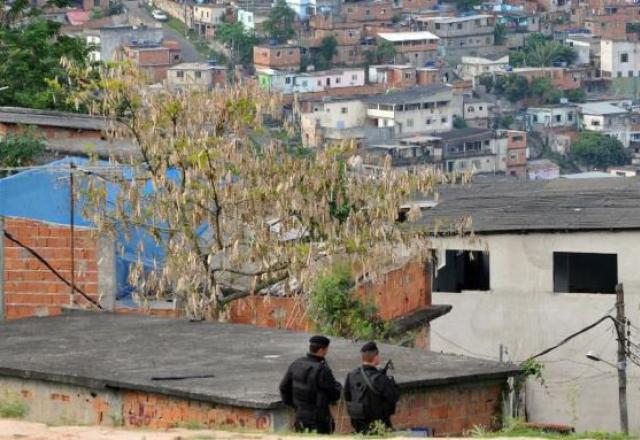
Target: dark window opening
x,y
462,270
575,272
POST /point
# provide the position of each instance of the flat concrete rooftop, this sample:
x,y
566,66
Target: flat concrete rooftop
x,y
106,350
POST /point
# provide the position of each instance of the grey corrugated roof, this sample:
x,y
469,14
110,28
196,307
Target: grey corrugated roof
x,y
556,205
462,133
29,116
247,362
414,94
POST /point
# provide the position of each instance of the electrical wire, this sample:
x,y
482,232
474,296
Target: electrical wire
x,y
573,335
472,353
54,271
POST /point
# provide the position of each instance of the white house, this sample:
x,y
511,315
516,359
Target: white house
x,y
606,118
619,59
419,109
542,263
472,67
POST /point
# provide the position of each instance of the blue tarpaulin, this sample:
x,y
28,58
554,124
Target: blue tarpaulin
x,y
43,194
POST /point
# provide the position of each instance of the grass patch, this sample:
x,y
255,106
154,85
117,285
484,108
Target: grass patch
x,y
191,425
13,407
517,428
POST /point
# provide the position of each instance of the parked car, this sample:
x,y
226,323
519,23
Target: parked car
x,y
159,15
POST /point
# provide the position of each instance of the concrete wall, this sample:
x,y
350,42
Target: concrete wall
x,y
446,409
112,38
522,313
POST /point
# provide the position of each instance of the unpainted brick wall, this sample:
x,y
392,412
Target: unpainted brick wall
x,y
155,411
395,293
448,410
30,288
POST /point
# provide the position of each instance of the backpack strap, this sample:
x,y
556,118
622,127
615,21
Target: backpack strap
x,y
368,383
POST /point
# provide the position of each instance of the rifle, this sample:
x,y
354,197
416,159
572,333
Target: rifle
x,y
389,366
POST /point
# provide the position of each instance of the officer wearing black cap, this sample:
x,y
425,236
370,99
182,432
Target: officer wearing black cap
x,y
370,394
309,387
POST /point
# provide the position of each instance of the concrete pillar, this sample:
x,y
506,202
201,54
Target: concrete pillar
x,y
107,282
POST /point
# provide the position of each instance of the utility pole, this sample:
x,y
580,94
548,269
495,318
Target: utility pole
x,y
622,359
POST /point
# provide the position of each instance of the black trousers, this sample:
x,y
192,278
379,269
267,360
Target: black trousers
x,y
319,424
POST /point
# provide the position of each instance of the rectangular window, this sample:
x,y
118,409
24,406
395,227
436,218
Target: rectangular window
x,y
630,73
558,118
354,77
180,74
287,80
198,75
343,110
444,120
624,57
437,25
577,272
463,270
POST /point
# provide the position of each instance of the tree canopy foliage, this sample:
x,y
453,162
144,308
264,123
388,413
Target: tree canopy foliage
x,y
31,49
513,87
279,26
327,50
239,40
598,150
540,51
20,149
384,52
271,218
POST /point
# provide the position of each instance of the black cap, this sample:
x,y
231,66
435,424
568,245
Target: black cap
x,y
369,346
320,340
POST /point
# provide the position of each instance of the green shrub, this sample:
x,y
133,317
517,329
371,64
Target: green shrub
x,y
336,309
20,149
12,407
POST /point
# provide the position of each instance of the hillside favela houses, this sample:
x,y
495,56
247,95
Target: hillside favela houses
x,y
525,112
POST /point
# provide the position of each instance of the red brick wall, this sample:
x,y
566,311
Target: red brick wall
x,y
451,410
395,294
274,312
400,291
155,411
448,410
277,57
30,289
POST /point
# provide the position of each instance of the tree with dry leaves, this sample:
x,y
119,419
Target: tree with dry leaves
x,y
235,210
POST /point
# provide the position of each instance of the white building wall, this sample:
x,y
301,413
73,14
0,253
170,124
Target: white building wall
x,y
612,61
522,313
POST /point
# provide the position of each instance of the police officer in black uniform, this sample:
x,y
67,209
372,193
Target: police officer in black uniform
x,y
371,394
309,387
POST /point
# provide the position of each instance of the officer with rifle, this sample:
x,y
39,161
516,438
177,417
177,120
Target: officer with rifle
x,y
309,387
371,394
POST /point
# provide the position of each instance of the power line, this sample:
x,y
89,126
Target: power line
x,y
478,355
54,271
573,335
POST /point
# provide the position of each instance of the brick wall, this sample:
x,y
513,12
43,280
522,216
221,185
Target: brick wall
x,y
399,291
30,288
277,57
395,293
155,411
449,410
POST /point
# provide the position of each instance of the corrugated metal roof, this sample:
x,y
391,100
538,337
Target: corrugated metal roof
x,y
29,116
556,205
407,36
